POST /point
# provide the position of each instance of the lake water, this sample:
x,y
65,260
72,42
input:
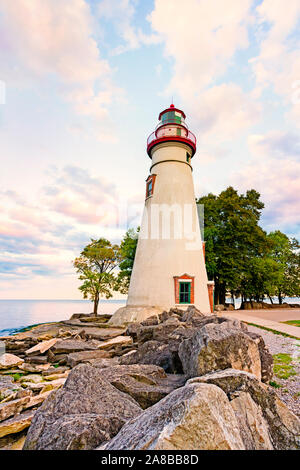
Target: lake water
x,y
16,314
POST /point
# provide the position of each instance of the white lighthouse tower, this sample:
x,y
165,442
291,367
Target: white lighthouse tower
x,y
169,266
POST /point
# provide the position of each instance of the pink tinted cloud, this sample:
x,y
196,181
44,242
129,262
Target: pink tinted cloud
x,y
275,172
46,39
74,193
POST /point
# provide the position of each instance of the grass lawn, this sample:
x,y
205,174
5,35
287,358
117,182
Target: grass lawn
x,y
292,322
282,366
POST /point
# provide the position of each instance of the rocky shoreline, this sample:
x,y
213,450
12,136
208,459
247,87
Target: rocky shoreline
x,y
181,380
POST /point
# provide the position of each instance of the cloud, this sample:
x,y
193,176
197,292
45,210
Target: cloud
x,y
82,198
225,111
275,172
278,63
277,144
42,238
121,14
201,37
202,41
46,39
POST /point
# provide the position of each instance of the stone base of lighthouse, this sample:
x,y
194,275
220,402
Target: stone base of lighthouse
x,y
130,314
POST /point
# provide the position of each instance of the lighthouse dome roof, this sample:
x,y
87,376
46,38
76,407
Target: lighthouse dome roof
x,y
171,108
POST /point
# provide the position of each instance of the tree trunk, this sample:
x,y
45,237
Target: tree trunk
x,y
96,302
232,298
222,293
279,298
216,293
270,298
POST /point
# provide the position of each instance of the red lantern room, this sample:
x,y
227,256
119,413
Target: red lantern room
x,y
171,128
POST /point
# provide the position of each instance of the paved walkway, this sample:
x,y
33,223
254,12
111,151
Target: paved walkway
x,y
269,319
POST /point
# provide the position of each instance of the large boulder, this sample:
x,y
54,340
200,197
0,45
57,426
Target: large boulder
x,y
219,346
147,384
283,426
194,417
85,412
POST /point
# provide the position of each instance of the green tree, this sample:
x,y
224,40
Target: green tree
x,y
285,254
95,267
233,237
259,279
127,250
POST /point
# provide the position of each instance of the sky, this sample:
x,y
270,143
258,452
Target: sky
x,y
81,85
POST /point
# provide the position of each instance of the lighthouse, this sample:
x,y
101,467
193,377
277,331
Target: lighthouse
x,y
169,266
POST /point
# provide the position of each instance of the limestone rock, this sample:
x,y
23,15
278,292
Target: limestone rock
x,y
41,347
193,417
37,360
266,358
72,345
132,330
104,334
16,424
12,407
56,376
13,441
253,426
44,386
98,319
7,387
103,363
33,378
10,390
150,321
154,352
159,332
191,313
34,367
216,347
84,413
55,370
8,361
52,385
37,399
85,356
283,425
147,384
118,341
164,316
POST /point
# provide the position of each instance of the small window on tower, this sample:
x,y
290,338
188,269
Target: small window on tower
x,y
150,185
188,157
149,188
184,292
184,289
